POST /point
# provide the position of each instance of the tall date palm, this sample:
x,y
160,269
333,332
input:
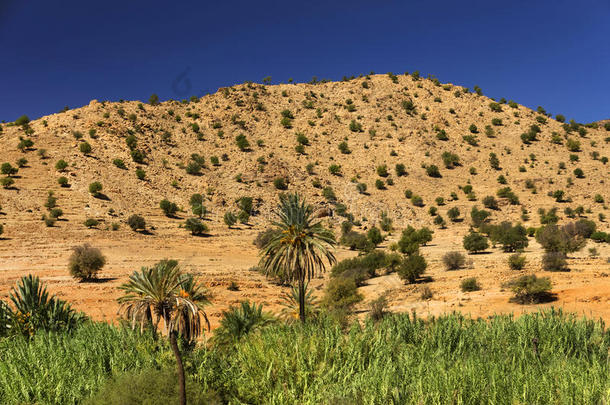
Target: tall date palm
x,y
300,247
163,293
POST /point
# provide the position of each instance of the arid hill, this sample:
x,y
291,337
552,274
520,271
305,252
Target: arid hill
x,y
361,147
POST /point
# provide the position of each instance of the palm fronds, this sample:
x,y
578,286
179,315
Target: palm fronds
x,y
290,303
298,249
238,322
34,309
164,293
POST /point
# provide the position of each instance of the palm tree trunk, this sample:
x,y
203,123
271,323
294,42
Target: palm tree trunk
x,y
174,343
302,300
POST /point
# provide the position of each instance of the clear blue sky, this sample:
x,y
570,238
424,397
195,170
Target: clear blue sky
x,y
554,53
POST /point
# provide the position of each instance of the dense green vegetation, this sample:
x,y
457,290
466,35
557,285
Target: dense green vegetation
x,y
540,358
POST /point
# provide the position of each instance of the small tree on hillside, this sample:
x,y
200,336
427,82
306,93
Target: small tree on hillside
x,y
136,223
453,214
95,188
169,208
230,219
86,262
153,100
195,226
474,242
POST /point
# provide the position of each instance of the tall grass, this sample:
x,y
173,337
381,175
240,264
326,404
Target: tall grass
x,y
405,360
539,358
56,368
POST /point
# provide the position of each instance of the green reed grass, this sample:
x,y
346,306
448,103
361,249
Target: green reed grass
x,y
56,368
403,360
400,360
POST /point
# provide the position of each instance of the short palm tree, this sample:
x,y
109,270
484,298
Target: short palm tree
x,y
164,293
238,322
290,310
300,248
34,308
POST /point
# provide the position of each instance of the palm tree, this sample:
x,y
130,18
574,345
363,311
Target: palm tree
x,y
290,310
238,322
164,293
297,251
35,308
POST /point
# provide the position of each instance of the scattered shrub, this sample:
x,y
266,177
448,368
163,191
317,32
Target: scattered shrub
x,y
8,169
512,238
85,148
411,239
475,242
453,260
374,235
453,214
356,241
136,223
355,126
193,168
63,181
169,208
61,165
382,170
280,183
341,294
411,268
242,142
86,262
334,169
140,174
378,308
195,226
119,163
494,161
264,237
516,261
529,289
344,148
95,188
554,261
470,284
229,219
91,222
137,156
433,171
555,239
450,160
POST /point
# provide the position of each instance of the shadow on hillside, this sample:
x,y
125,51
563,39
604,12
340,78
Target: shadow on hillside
x,y
99,280
542,298
202,235
102,196
424,280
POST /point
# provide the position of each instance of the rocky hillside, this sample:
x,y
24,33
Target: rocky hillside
x,y
357,146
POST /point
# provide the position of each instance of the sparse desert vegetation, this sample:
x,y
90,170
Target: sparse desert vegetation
x,y
402,202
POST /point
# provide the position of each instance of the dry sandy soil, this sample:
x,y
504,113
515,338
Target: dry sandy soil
x,y
389,136
229,256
